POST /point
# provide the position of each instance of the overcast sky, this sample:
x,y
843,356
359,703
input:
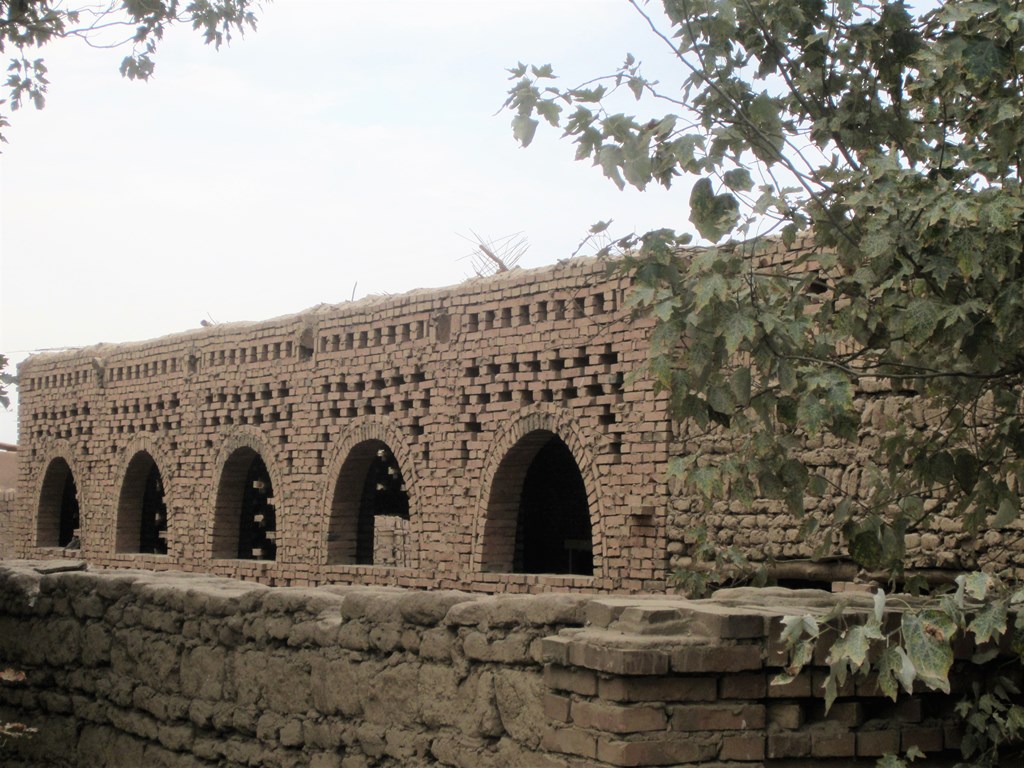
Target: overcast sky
x,y
343,145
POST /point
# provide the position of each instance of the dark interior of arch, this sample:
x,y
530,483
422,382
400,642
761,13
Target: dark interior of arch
x,y
257,520
383,493
153,528
69,513
553,532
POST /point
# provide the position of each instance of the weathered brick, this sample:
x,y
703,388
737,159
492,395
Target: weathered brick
x,y
581,681
717,717
658,688
570,741
742,747
926,739
557,707
827,743
907,711
720,658
618,719
554,650
660,752
798,687
788,717
619,661
743,686
846,713
789,745
878,743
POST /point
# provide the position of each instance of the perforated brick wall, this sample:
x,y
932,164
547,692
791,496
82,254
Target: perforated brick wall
x,y
454,390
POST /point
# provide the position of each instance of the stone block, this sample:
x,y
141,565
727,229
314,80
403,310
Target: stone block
x,y
516,695
428,609
203,671
436,644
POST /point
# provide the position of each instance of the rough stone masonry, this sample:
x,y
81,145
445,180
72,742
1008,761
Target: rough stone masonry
x,y
171,670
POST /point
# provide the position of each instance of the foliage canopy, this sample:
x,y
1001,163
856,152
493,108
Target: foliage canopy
x,y
138,25
888,139
892,140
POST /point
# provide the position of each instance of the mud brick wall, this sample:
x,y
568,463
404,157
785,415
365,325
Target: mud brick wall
x,y
766,530
133,668
8,500
456,383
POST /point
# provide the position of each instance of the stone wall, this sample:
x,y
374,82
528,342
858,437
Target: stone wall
x,y
133,668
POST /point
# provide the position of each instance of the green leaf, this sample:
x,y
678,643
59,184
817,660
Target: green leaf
x,y
523,129
990,621
966,469
1007,514
794,627
738,180
713,215
737,328
927,637
878,599
895,670
976,584
739,383
852,646
550,111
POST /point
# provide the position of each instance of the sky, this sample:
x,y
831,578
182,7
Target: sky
x,y
344,148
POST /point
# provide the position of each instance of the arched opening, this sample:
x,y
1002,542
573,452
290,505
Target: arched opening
x,y
245,523
58,520
369,522
141,511
538,516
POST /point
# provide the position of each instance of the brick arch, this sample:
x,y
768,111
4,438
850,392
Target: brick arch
x,y
498,505
58,461
348,465
130,488
226,496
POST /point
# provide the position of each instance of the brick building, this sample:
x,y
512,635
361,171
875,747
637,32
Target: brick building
x,y
487,436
